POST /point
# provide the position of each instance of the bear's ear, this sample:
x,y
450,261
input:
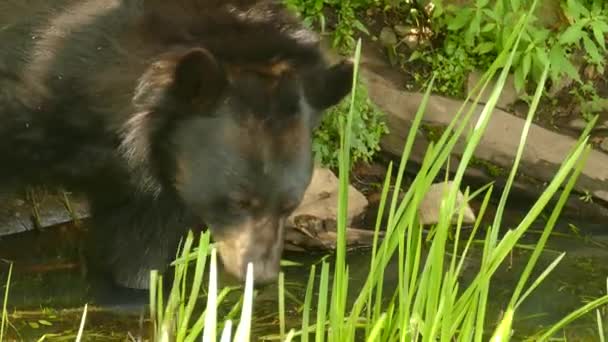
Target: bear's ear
x,y
198,78
329,86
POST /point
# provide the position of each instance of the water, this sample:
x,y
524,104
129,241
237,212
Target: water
x,y
48,290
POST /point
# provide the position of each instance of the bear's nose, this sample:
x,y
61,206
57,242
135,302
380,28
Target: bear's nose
x,y
259,241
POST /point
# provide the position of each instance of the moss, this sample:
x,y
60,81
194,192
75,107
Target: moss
x,y
492,169
433,133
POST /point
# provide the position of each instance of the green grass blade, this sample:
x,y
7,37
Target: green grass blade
x,y
574,316
322,303
196,284
4,319
282,305
226,332
243,331
209,333
82,322
307,302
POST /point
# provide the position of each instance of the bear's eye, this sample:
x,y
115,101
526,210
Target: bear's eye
x,y
288,207
242,202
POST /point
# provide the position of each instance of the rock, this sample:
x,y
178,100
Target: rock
x,y
316,236
578,124
321,199
313,223
590,71
412,41
604,145
543,154
429,209
402,30
509,93
563,82
388,38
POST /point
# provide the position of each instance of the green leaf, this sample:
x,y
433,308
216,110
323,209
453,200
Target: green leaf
x,y
541,54
499,11
484,48
471,32
517,57
462,18
597,6
572,35
490,14
519,79
359,25
561,64
515,4
601,24
488,27
45,322
482,3
526,64
592,50
540,35
414,56
575,10
598,33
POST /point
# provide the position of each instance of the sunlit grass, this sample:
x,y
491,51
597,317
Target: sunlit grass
x,y
173,321
4,315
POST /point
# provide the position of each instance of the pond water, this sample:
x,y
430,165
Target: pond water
x,y
48,290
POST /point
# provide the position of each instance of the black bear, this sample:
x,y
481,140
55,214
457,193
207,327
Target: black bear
x,y
167,115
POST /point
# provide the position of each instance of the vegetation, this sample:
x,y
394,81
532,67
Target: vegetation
x,y
432,302
368,127
468,35
476,34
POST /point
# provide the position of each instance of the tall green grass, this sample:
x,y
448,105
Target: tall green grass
x,y
3,316
173,321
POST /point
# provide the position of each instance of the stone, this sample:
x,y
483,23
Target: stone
x,y
578,124
313,223
604,145
321,199
402,30
388,38
507,98
430,206
560,84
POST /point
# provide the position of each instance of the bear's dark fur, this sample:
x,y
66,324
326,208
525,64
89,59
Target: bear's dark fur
x,y
166,114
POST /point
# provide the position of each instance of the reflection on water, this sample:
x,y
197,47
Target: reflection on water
x,y
49,289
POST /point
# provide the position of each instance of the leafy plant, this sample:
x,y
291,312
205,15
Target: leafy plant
x,y
588,20
368,128
311,11
482,29
589,100
346,23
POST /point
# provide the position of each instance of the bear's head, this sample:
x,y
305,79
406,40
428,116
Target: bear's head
x,y
238,141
